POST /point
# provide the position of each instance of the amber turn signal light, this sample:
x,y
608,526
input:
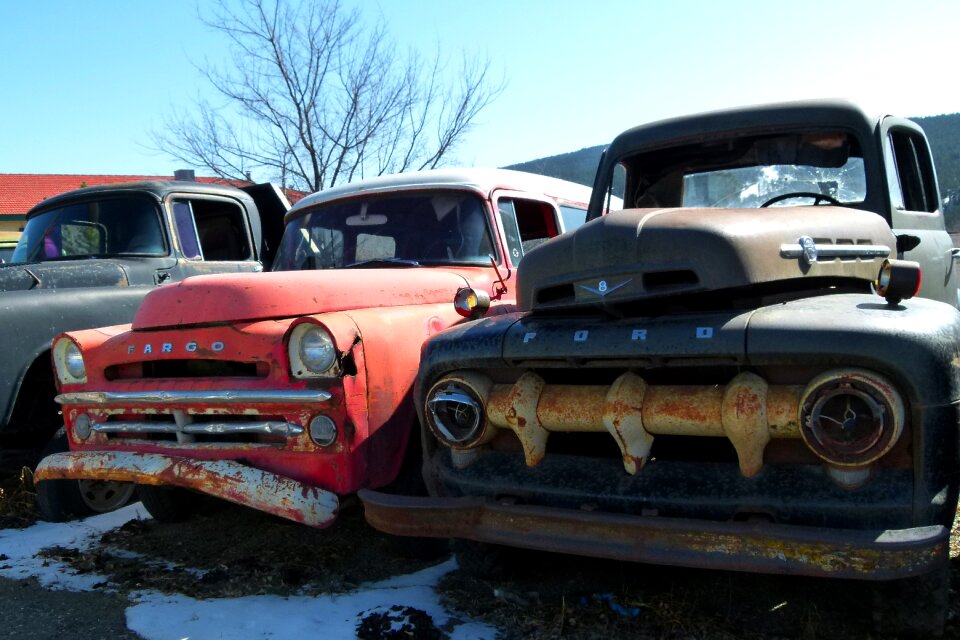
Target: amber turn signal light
x,y
898,279
471,303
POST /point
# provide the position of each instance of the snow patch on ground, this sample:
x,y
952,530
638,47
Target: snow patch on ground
x,y
21,546
157,616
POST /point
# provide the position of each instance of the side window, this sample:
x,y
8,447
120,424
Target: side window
x,y
526,224
186,230
508,220
614,200
211,229
909,172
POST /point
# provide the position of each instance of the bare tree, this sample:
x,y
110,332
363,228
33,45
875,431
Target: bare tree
x,y
315,98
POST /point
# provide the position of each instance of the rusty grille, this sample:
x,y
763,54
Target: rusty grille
x,y
140,429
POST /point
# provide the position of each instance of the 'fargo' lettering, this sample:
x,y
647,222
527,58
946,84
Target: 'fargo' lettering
x,y
169,347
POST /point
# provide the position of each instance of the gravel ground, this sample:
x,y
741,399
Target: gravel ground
x,y
29,611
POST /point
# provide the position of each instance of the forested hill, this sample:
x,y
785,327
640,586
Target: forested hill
x,y
943,132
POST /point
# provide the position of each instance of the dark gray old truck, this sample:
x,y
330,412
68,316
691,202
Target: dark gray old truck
x,y
708,377
86,259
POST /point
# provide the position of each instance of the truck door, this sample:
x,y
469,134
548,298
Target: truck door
x,y
210,229
916,209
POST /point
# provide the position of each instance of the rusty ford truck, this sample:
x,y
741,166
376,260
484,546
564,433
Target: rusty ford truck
x,y
283,390
709,377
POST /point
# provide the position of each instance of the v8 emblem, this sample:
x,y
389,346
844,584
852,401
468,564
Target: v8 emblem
x,y
603,288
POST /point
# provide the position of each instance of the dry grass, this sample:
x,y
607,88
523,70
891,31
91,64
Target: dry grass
x,y
18,501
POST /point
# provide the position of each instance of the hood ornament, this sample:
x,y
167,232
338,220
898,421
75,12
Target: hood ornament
x,y
809,248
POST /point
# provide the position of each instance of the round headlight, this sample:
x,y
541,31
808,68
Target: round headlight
x,y
317,352
73,361
850,418
455,412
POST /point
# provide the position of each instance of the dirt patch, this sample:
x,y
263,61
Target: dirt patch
x,y
578,598
229,551
399,623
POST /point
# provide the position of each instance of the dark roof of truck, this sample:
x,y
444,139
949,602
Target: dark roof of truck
x,y
753,119
157,188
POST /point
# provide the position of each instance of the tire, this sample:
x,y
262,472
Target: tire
x,y
480,559
912,607
168,504
62,500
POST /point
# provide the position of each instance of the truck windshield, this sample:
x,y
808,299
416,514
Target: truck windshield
x,y
96,228
749,172
410,229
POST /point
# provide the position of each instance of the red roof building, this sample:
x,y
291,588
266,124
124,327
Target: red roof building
x,y
19,192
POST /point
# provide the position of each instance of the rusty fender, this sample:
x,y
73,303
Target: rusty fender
x,y
224,479
732,546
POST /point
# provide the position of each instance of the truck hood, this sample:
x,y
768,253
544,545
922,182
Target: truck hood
x,y
639,254
62,275
224,298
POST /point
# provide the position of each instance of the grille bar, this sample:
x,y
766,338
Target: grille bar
x,y
228,396
272,428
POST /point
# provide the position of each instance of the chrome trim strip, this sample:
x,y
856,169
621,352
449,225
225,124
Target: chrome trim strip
x,y
181,397
794,251
209,428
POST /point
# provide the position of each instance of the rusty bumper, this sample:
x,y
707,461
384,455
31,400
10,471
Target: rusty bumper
x,y
224,479
734,546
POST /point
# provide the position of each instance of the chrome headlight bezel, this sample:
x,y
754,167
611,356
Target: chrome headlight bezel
x,y
851,417
312,352
465,393
68,361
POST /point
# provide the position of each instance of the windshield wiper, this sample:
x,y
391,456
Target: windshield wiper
x,y
382,262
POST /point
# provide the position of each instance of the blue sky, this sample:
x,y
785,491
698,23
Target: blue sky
x,y
83,83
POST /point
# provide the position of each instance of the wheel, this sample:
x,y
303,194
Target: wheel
x,y
480,559
817,198
912,607
62,500
168,504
